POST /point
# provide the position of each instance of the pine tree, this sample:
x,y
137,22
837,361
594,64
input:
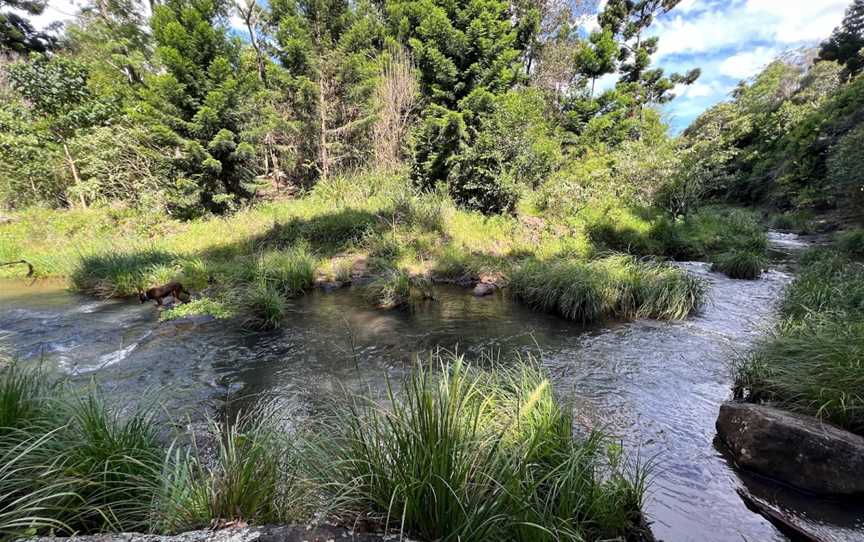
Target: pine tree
x,y
17,33
198,99
847,41
329,49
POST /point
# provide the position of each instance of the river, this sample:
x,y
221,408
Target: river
x,y
656,385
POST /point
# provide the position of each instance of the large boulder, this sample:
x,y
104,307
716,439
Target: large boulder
x,y
799,450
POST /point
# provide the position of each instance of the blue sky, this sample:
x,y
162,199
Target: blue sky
x,y
730,40
733,40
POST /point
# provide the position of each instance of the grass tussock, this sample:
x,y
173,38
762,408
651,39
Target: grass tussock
x,y
828,282
471,455
249,472
740,264
815,368
265,307
802,222
813,362
851,243
459,454
398,288
611,287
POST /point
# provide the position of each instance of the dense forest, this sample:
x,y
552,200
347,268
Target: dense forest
x,y
255,151
494,102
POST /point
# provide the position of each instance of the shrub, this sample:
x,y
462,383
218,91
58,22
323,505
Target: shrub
x,y
475,456
740,264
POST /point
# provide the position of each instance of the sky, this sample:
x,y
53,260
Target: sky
x,y
730,40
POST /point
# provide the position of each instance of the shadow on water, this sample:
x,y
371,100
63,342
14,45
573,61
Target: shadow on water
x,y
657,385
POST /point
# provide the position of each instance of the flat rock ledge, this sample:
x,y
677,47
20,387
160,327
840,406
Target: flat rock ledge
x,y
267,533
801,451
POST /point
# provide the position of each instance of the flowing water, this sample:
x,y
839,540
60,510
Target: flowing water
x,y
656,385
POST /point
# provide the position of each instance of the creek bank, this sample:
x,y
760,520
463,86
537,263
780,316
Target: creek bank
x,y
269,533
799,450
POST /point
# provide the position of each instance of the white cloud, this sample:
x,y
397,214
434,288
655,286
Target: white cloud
x,y
747,63
732,24
698,89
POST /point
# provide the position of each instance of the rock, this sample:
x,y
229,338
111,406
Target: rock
x,y
483,289
286,533
799,450
331,285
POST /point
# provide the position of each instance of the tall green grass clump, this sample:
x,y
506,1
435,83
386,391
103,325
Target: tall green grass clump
x,y
290,271
397,288
248,473
113,460
611,287
80,465
119,273
740,264
712,231
815,367
264,306
799,221
851,243
828,282
473,455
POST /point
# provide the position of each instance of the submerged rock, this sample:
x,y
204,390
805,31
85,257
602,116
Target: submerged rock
x,y
483,289
799,450
286,533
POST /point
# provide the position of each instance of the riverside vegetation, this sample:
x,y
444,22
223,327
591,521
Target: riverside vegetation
x,y
460,454
391,144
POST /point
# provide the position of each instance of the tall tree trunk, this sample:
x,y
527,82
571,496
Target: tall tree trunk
x,y
323,155
250,17
75,176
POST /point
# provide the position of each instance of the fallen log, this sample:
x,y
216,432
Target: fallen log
x,y
782,521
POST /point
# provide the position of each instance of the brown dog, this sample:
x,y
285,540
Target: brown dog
x,y
157,294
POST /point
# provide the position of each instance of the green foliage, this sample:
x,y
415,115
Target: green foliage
x,y
801,222
828,282
813,368
221,310
489,153
851,243
611,287
264,305
290,272
740,264
397,288
712,231
845,44
844,167
248,475
471,455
